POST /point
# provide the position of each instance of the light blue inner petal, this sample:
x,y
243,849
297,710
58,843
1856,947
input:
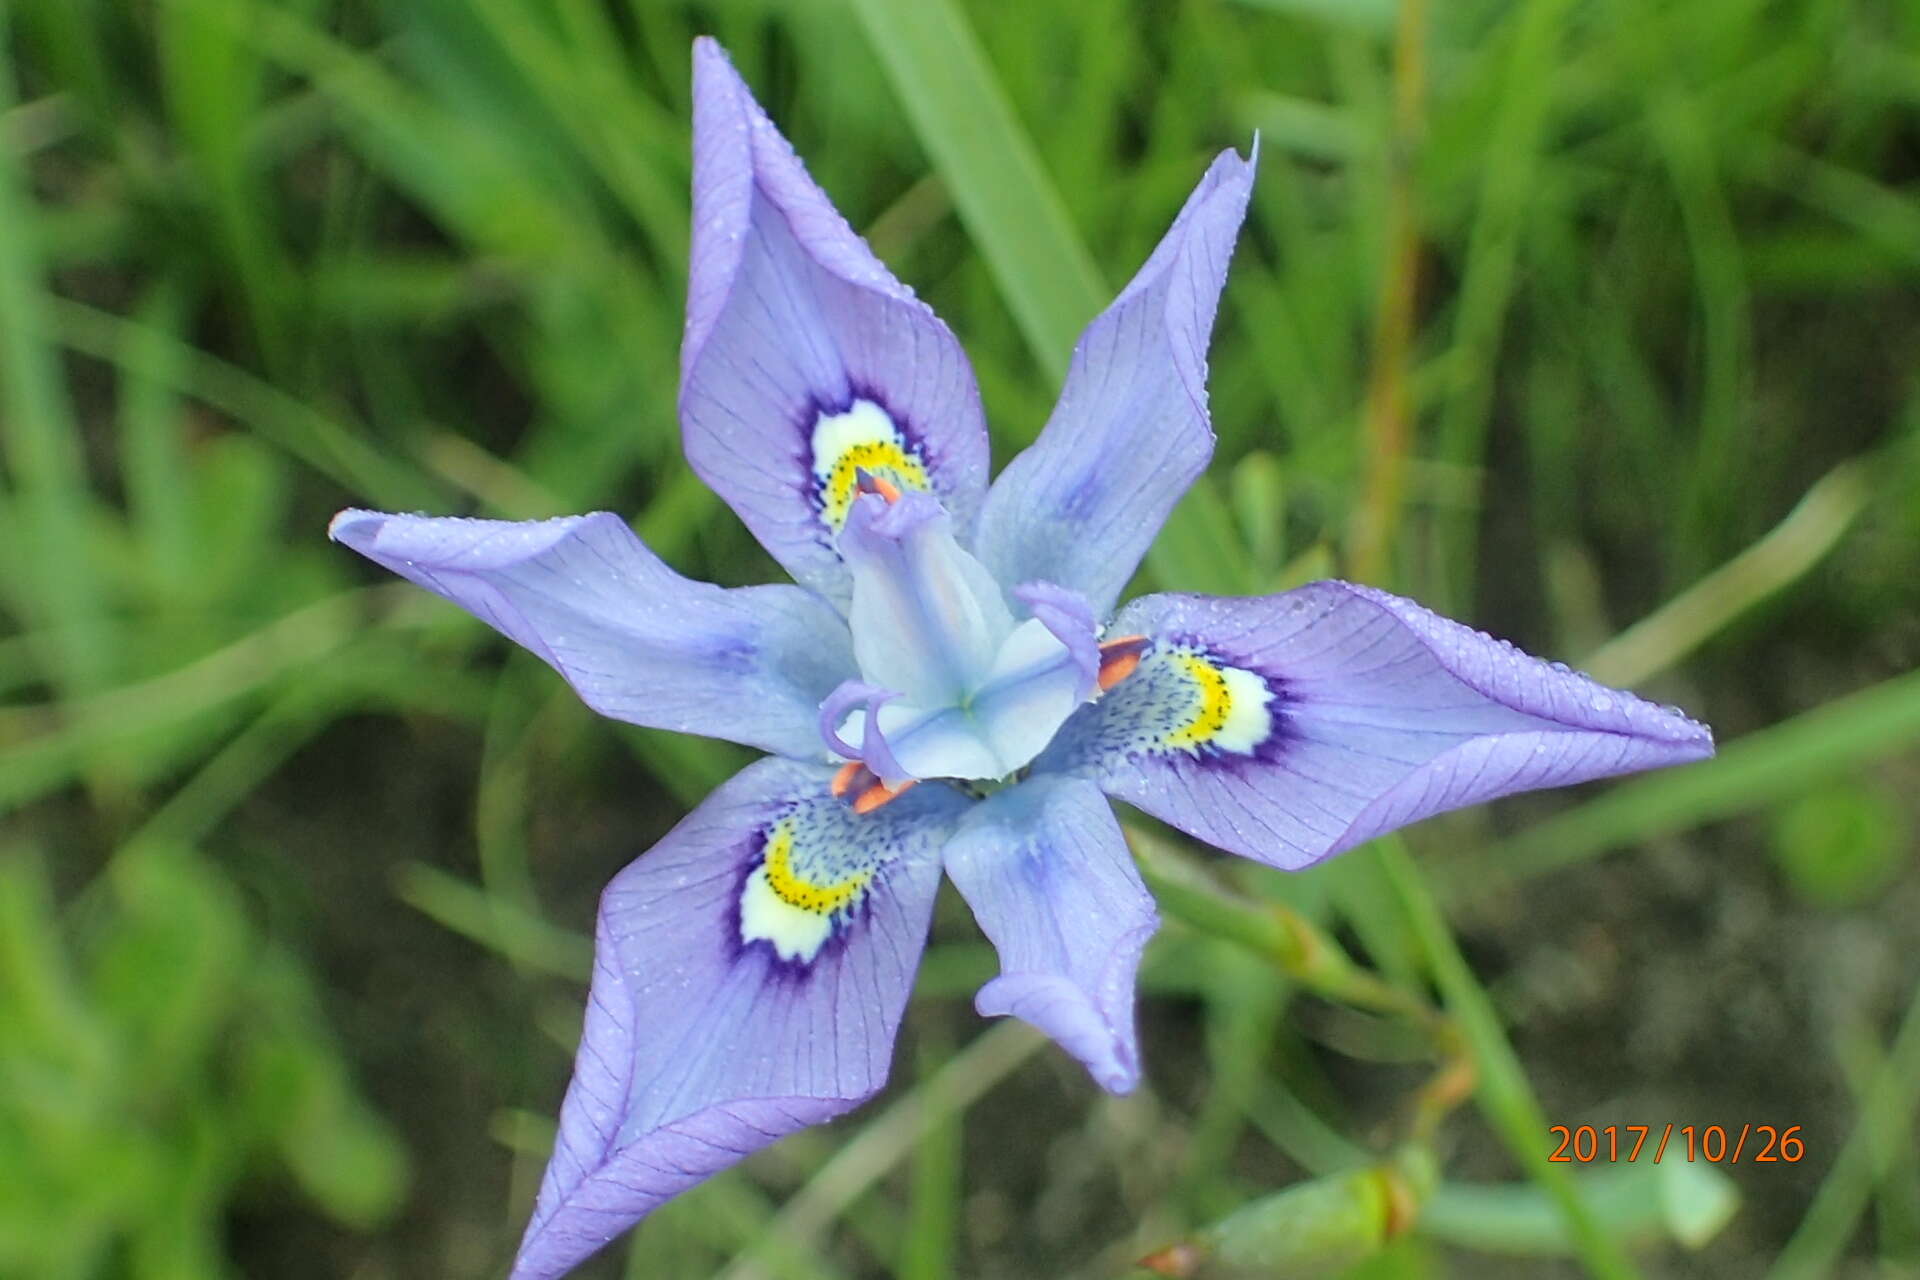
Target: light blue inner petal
x,y
1032,686
1035,684
960,689
927,618
943,743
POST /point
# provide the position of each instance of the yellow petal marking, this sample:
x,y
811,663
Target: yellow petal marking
x,y
795,890
1230,710
862,438
1214,703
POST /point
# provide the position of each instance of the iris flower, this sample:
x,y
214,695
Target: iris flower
x,y
947,687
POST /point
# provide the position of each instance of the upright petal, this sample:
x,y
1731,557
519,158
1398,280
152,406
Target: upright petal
x,y
804,360
636,640
1050,880
927,619
1080,506
749,977
1290,727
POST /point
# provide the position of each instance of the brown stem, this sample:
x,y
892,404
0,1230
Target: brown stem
x,y
1387,420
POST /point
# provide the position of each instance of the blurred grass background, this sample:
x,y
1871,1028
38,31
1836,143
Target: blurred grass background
x,y
1589,321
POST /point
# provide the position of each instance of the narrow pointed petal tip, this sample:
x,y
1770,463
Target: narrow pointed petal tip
x,y
636,640
1131,431
1049,878
1289,728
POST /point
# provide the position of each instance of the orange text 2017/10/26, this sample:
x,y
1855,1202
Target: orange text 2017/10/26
x,y
1715,1144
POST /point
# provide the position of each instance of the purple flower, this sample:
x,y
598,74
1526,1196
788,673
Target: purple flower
x,y
941,689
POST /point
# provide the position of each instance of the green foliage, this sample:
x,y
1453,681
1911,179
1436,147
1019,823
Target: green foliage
x,y
1843,843
280,836
158,1051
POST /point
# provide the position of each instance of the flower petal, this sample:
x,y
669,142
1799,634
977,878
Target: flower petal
x,y
1050,880
804,360
749,977
1290,727
1080,506
637,641
927,618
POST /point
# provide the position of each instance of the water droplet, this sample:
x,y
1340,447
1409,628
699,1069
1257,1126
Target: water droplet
x,y
1601,702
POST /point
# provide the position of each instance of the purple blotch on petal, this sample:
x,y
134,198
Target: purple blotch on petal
x,y
1382,713
699,1047
790,315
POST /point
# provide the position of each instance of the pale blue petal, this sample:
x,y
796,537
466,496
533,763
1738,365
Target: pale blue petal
x,y
1071,619
1036,683
927,619
792,326
941,743
704,1039
636,640
1051,882
1080,506
1350,712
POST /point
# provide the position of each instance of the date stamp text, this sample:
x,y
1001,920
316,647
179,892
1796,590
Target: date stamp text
x,y
1713,1143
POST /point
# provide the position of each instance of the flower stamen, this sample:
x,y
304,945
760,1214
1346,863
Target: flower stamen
x,y
880,793
844,780
866,481
1119,658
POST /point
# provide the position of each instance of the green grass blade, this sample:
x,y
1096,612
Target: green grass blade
x,y
933,1204
328,446
42,443
1493,248
1504,1093
1890,1105
1005,198
1751,773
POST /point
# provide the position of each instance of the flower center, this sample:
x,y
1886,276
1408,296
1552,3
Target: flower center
x,y
953,684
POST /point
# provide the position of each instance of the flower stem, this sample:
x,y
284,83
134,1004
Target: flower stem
x,y
1303,952
1388,410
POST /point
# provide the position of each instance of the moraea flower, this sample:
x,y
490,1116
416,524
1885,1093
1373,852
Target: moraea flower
x,y
947,688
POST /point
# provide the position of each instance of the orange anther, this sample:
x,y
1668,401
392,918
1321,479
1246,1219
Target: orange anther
x,y
1116,669
843,780
880,793
867,482
1118,660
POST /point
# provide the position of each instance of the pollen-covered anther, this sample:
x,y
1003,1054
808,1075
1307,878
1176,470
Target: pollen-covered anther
x,y
867,482
1118,660
880,793
849,779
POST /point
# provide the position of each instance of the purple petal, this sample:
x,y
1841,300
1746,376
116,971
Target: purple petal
x,y
1290,727
1068,616
637,641
927,618
720,1018
792,323
1051,882
1080,506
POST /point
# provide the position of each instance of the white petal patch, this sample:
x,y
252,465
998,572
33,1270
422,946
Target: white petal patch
x,y
1184,699
1248,721
863,438
795,932
814,872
